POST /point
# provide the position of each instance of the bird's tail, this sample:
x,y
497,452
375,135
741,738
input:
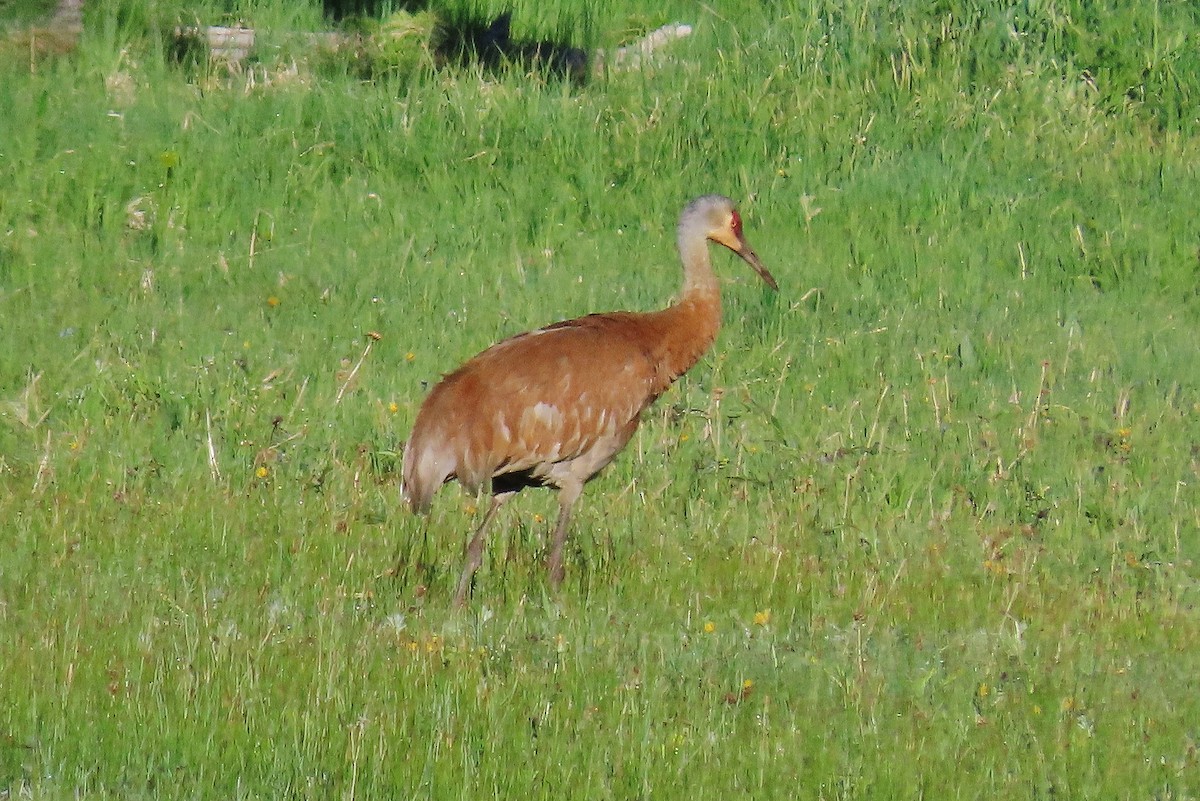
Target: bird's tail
x,y
424,470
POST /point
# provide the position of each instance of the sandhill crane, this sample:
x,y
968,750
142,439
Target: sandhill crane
x,y
552,407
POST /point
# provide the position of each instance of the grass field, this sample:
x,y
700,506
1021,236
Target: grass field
x,y
922,525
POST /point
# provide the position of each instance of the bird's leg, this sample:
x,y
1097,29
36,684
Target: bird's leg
x,y
474,550
567,495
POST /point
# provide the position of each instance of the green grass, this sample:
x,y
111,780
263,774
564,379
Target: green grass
x,y
923,524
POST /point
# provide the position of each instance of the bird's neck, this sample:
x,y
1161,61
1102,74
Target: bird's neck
x,y
680,334
683,332
697,266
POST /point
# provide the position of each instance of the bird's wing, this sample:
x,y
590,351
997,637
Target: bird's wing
x,y
545,397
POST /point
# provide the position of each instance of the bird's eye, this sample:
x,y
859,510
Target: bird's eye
x,y
735,224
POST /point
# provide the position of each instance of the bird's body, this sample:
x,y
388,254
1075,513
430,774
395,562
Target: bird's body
x,y
553,407
531,406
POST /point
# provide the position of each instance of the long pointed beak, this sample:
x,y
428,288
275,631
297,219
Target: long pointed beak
x,y
750,257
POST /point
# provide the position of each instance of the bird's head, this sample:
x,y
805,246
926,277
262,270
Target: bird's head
x,y
723,225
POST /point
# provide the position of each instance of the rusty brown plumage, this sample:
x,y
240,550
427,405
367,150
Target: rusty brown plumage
x,y
553,407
